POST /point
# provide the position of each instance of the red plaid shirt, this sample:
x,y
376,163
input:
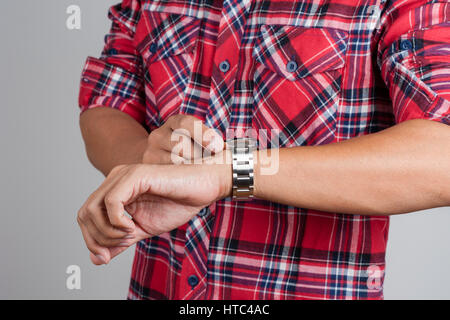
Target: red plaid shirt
x,y
320,71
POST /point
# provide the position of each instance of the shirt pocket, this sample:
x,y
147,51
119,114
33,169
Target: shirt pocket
x,y
167,44
296,83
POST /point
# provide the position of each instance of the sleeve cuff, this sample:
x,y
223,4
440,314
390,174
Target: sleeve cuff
x,y
106,85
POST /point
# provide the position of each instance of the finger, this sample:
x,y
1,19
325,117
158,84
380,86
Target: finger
x,y
92,204
116,215
100,219
96,260
115,205
96,201
163,141
212,140
99,255
104,240
201,134
184,147
159,139
124,192
139,235
177,142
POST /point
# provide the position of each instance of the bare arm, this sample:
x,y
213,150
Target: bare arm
x,y
401,169
112,138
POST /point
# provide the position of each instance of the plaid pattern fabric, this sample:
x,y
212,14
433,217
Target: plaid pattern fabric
x,y
319,71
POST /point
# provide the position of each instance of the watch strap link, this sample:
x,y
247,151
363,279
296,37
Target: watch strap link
x,y
243,165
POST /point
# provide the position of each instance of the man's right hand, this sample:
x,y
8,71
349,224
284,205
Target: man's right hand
x,y
106,240
162,142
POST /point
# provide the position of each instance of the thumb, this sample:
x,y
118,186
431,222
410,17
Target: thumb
x,y
212,140
201,134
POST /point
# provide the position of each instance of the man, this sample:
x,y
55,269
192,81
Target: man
x,y
358,93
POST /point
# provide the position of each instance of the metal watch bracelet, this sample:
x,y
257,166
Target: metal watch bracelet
x,y
243,165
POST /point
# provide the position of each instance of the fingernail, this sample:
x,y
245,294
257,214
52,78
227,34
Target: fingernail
x,y
127,231
130,236
124,244
102,259
216,145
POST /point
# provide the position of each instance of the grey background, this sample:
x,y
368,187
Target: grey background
x,y
45,175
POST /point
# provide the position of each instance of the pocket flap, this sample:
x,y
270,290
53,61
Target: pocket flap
x,y
297,52
166,35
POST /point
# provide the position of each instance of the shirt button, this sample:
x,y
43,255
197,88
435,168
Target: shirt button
x,y
86,80
193,280
224,66
371,10
203,212
291,66
406,45
112,51
153,47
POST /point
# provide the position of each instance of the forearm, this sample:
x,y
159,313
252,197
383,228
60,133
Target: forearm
x,y
112,138
401,169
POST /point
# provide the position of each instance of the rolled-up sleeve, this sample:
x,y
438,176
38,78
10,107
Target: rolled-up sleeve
x,y
115,79
414,58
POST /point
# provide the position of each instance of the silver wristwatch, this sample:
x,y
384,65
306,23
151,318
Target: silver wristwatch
x,y
242,153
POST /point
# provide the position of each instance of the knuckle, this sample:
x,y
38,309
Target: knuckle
x,y
109,200
81,216
174,121
170,120
118,168
175,118
101,240
114,222
131,176
154,136
184,121
90,209
80,219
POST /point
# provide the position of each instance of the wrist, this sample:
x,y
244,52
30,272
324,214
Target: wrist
x,y
255,173
226,174
226,180
266,167
220,164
